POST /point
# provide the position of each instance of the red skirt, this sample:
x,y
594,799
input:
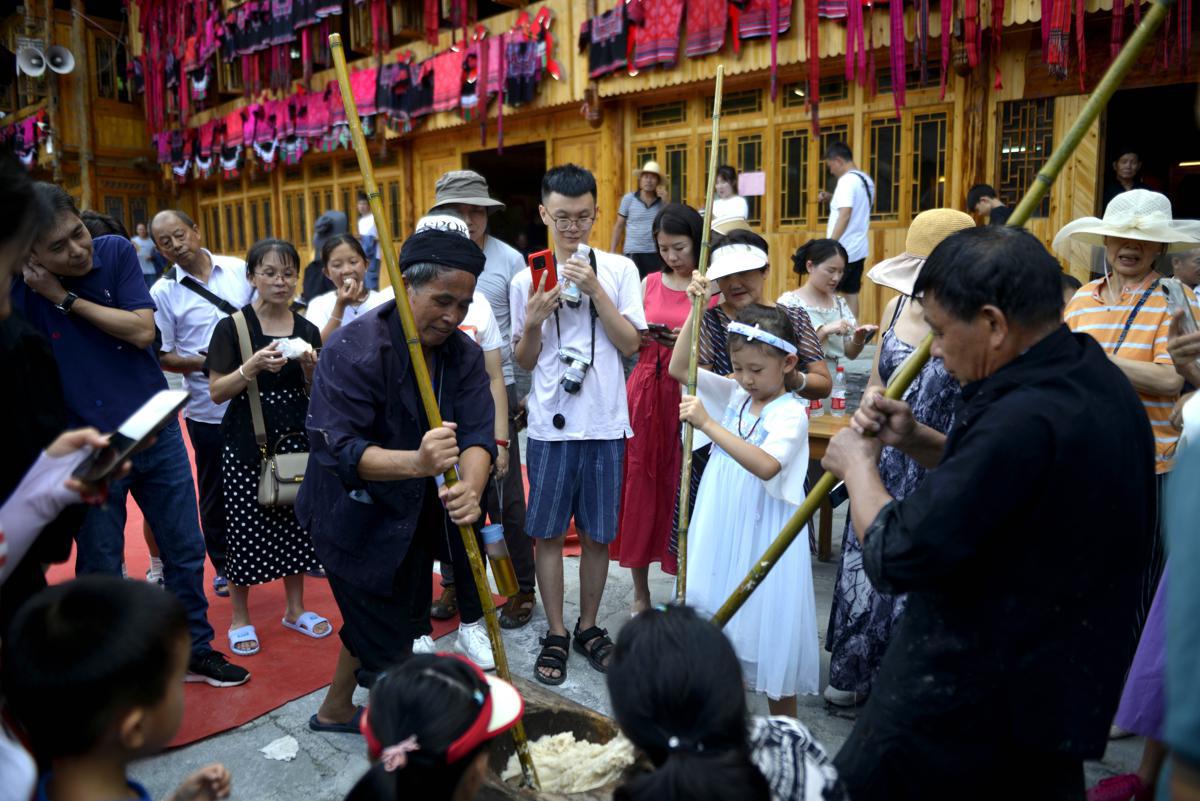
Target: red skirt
x,y
653,458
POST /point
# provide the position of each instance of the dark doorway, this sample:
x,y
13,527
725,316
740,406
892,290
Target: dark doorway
x,y
1160,124
515,178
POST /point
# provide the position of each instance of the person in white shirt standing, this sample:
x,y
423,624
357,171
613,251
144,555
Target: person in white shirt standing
x,y
466,194
205,288
849,216
145,252
346,266
368,234
578,413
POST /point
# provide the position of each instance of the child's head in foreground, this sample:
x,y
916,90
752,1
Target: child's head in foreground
x,y
763,350
95,667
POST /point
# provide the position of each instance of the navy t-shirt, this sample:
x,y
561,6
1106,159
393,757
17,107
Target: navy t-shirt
x,y
104,379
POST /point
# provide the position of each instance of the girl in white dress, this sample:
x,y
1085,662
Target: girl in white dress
x,y
753,484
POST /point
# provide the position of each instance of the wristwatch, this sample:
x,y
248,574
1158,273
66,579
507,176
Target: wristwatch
x,y
65,306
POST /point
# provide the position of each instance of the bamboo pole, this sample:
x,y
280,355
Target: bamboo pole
x,y
908,371
421,372
685,475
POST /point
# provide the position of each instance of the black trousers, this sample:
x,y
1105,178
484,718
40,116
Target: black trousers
x,y
505,503
207,445
379,629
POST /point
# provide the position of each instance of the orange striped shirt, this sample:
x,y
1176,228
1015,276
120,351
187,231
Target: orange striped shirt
x,y
1145,341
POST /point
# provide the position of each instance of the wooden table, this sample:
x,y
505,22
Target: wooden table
x,y
820,431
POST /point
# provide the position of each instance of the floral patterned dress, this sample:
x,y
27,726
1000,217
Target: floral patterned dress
x,y
861,619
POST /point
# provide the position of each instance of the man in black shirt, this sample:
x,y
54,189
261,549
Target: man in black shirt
x,y
985,203
1021,552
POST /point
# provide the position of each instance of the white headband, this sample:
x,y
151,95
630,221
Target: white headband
x,y
753,332
727,260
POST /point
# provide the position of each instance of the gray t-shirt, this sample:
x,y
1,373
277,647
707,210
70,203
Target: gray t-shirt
x,y
503,262
639,222
145,253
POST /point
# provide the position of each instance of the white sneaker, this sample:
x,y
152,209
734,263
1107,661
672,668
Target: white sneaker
x,y
424,645
155,574
843,698
473,643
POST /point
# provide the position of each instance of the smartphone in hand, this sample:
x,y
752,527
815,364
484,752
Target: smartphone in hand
x,y
147,421
542,263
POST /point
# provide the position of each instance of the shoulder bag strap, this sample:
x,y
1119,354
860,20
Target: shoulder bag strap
x,y
256,415
208,294
866,186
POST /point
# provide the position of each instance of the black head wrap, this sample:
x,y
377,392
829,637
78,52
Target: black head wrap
x,y
447,248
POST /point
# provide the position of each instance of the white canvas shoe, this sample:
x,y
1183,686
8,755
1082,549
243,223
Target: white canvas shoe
x,y
424,645
473,643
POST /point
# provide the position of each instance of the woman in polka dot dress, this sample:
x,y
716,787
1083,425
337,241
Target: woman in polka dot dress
x,y
265,543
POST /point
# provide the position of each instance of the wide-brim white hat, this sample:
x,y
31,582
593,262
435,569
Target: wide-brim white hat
x,y
927,231
1137,214
728,260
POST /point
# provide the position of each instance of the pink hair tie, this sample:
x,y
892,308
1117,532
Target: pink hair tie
x,y
395,757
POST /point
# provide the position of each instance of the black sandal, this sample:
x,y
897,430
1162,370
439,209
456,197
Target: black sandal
x,y
553,656
595,645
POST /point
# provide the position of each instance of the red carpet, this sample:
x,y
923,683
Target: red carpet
x,y
289,665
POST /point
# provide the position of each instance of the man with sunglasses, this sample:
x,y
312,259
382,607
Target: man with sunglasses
x,y
578,414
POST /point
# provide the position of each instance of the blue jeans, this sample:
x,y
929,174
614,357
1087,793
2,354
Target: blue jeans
x,y
371,281
161,483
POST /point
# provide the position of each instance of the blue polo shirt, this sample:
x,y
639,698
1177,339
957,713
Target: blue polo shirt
x,y
104,379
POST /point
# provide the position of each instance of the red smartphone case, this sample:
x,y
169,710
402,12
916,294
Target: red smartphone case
x,y
539,264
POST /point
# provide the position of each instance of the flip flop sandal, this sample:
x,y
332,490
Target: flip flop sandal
x,y
241,635
553,656
595,645
307,624
339,728
517,611
445,607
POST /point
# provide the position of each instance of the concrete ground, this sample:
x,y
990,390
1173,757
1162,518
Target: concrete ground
x,y
328,765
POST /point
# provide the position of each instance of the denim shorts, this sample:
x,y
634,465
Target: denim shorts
x,y
575,478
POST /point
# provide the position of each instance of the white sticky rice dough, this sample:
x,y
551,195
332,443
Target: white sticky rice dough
x,y
567,765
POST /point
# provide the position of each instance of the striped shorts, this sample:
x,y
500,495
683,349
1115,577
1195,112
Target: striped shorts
x,y
574,478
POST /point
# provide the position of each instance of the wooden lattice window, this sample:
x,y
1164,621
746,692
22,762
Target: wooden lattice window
x,y
833,132
213,232
110,70
255,228
321,169
230,241
661,114
349,204
795,95
644,153
884,167
928,161
749,159
677,167
295,217
734,103
793,177
834,89
240,212
1026,140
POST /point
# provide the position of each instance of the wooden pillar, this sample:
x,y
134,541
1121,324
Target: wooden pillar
x,y
80,79
52,97
974,161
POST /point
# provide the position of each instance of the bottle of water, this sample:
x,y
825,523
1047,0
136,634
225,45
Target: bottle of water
x,y
815,409
837,401
571,293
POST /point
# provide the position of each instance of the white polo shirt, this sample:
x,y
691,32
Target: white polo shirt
x,y
480,324
599,410
186,321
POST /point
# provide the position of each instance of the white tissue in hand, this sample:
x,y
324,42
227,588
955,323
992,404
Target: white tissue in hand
x,y
293,348
284,749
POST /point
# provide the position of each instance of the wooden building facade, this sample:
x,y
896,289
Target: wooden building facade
x,y
994,124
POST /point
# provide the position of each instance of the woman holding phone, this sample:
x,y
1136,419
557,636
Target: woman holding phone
x,y
824,262
265,542
652,456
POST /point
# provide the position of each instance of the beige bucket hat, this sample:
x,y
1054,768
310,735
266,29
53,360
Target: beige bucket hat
x,y
1136,214
927,231
464,186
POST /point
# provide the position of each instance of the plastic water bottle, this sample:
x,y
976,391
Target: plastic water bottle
x,y
815,408
837,401
571,293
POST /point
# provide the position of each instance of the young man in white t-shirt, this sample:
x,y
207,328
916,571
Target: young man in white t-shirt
x,y
849,216
577,427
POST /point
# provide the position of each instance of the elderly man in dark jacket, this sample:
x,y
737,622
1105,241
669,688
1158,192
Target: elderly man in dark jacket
x,y
1021,552
369,497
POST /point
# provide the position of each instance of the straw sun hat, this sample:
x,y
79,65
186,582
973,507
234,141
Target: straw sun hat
x,y
928,229
1137,214
651,167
